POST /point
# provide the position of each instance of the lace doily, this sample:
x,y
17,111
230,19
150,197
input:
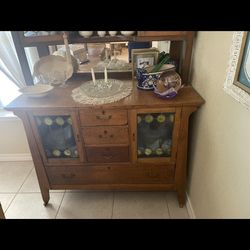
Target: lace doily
x,y
101,92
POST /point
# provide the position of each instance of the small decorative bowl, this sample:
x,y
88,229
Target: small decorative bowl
x,y
168,85
85,34
101,33
112,33
127,33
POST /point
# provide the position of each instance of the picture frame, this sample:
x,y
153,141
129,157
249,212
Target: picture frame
x,y
143,58
237,84
242,75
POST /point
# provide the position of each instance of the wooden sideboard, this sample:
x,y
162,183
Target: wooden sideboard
x,y
137,143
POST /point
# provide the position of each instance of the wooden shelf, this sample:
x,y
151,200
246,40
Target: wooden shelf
x,y
38,40
97,39
140,36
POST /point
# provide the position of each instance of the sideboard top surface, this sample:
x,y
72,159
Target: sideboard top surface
x,y
61,98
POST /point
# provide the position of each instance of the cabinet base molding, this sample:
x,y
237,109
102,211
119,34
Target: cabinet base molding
x,y
120,187
15,157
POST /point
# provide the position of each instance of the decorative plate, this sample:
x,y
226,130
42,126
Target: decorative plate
x,y
38,90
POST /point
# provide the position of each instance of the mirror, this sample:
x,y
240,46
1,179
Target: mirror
x,y
94,55
115,56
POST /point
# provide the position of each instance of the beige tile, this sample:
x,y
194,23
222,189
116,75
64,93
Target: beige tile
x,y
30,206
175,211
5,200
86,205
31,184
140,205
13,174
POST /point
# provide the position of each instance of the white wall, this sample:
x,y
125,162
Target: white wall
x,y
219,174
12,137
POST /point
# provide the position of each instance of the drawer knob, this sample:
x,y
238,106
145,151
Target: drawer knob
x,y
103,117
107,157
105,135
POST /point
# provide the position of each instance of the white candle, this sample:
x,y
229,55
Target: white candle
x,y
105,75
106,53
93,75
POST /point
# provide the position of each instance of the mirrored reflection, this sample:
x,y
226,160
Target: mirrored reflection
x,y
115,56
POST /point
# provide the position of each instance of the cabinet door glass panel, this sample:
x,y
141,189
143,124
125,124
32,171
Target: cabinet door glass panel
x,y
154,134
57,136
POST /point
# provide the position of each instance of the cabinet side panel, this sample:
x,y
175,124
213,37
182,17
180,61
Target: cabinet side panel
x,y
39,167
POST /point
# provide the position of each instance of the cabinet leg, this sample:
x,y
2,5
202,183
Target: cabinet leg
x,y
181,198
45,195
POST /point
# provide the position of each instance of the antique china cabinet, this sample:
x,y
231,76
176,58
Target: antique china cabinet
x,y
137,143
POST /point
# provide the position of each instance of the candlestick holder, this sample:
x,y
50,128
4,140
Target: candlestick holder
x,y
101,92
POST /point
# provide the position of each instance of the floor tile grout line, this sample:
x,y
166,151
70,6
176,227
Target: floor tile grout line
x,y
8,192
10,202
25,180
60,204
18,190
113,205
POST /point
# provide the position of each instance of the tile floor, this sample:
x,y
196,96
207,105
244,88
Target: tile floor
x,y
21,199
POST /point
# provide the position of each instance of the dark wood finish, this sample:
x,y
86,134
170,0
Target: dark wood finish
x,y
112,153
97,39
105,135
175,53
39,40
103,117
160,160
120,187
110,174
110,166
186,61
43,50
181,160
36,156
2,216
161,35
54,161
60,98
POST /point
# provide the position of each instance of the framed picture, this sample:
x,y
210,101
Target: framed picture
x,y
142,58
242,75
237,83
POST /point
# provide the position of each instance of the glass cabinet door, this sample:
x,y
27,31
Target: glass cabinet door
x,y
57,137
155,134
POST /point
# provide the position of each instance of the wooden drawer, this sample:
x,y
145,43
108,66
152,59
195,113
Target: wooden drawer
x,y
108,174
103,117
108,154
105,135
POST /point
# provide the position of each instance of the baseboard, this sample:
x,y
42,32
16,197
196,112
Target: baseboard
x,y
190,208
15,157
